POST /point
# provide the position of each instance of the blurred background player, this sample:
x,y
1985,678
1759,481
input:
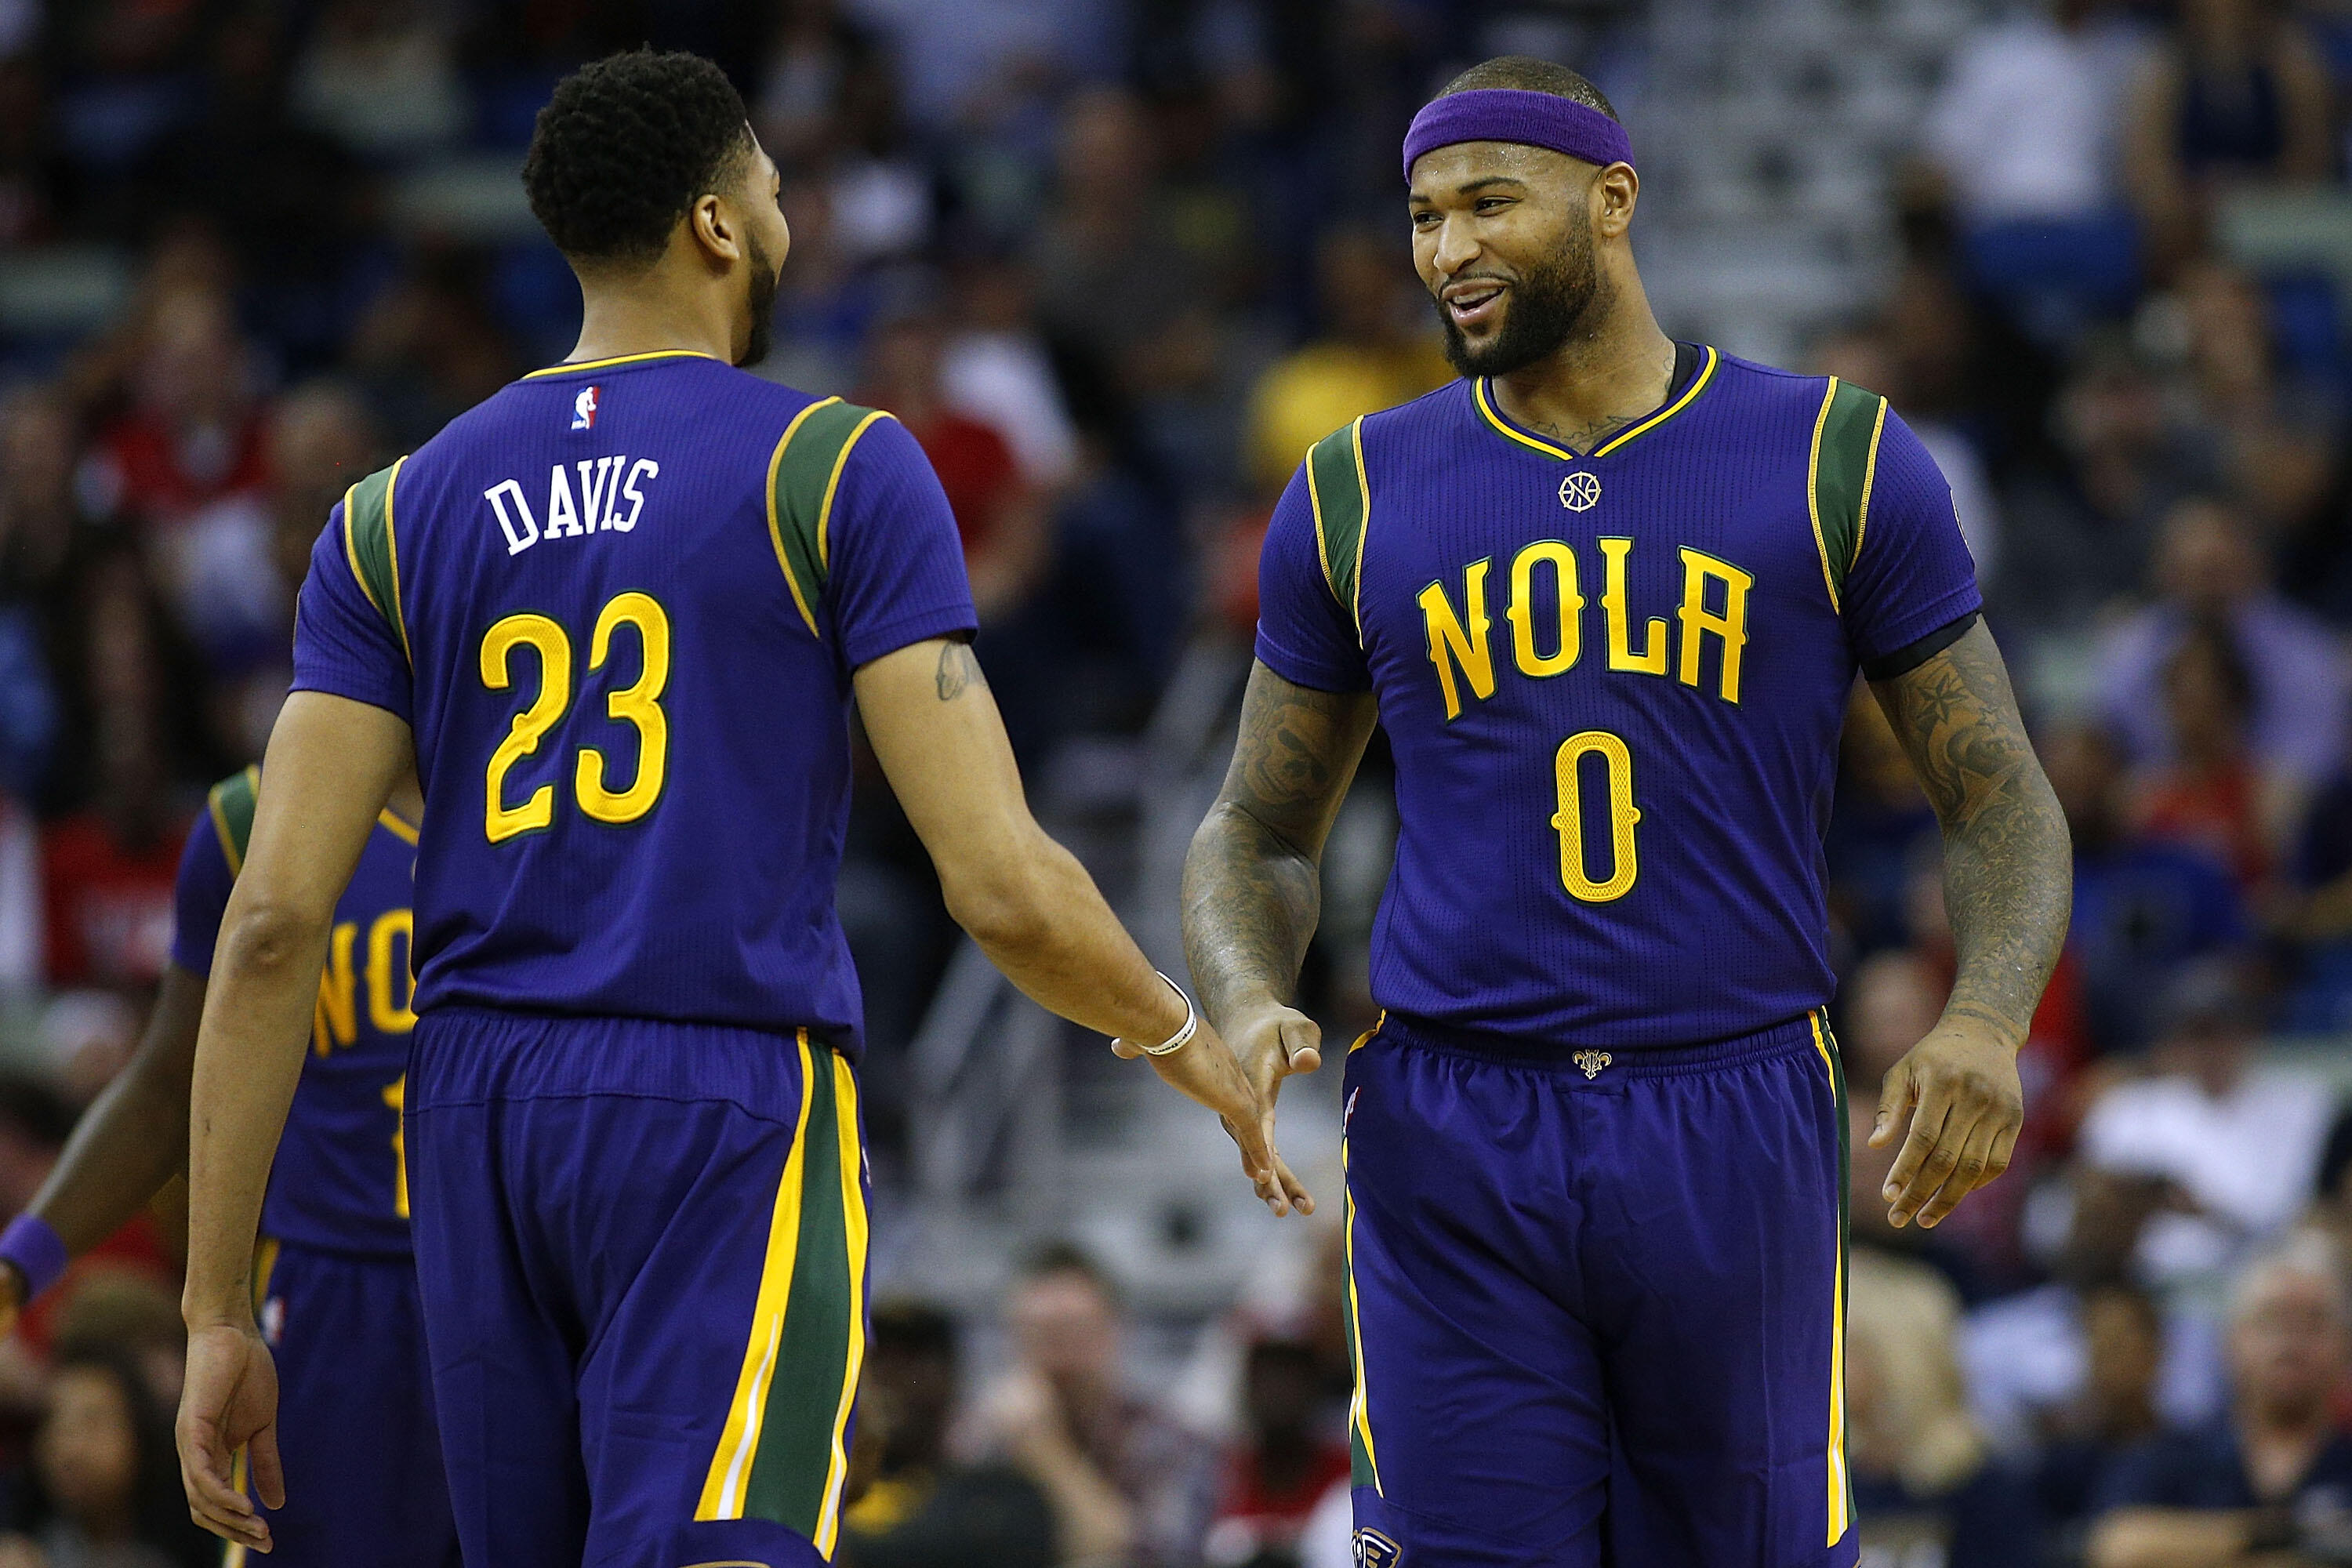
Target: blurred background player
x,y
614,617
1596,1147
334,1279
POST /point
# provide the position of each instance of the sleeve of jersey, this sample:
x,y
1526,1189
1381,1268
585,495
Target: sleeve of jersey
x,y
895,573
200,897
1303,634
1912,575
343,644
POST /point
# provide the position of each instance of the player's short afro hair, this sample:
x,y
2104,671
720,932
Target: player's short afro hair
x,y
626,146
1529,74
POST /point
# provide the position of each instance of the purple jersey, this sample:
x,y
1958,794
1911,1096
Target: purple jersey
x,y
620,604
337,1183
1613,683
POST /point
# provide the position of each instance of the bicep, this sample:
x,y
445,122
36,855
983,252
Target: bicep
x,y
1297,754
332,765
936,732
1958,719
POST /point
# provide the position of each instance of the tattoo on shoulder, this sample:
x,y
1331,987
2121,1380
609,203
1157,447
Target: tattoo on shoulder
x,y
958,670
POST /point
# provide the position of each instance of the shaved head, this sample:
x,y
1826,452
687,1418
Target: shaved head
x,y
1528,74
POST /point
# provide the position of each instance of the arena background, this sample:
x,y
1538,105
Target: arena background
x,y
1116,265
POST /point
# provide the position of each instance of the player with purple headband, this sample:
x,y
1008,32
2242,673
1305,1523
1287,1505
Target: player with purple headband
x,y
1608,594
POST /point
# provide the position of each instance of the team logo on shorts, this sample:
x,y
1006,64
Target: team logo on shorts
x,y
584,409
1592,1062
1581,491
1374,1549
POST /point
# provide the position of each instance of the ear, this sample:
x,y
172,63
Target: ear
x,y
718,229
1616,189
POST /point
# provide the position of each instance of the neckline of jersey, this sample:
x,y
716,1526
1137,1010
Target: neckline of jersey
x,y
571,366
1502,425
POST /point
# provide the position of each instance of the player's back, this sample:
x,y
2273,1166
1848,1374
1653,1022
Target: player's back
x,y
625,598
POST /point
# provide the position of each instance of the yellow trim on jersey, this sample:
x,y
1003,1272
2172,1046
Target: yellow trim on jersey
x,y
1869,482
730,1467
1478,392
1697,385
220,821
775,525
392,825
853,1224
1359,1407
832,483
351,552
391,554
1813,490
1839,1518
617,359
1363,532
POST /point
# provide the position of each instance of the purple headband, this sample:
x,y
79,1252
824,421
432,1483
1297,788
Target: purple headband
x,y
1514,114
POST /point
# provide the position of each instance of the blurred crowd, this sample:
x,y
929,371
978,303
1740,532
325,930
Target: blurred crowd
x,y
1115,265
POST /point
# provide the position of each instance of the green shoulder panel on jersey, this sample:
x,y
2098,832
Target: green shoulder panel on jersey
x,y
231,804
372,544
803,476
1343,505
1843,464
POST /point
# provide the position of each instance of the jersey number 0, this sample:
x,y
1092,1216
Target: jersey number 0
x,y
639,704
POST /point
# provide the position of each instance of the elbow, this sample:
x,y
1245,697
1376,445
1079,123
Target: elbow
x,y
266,938
1007,906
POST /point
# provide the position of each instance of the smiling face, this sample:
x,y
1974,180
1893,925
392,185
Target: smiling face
x,y
1503,236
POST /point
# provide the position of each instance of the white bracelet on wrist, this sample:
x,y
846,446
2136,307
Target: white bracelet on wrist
x,y
1184,1035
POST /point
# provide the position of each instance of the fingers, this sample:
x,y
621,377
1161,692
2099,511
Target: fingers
x,y
269,1480
1894,1098
1251,1132
212,1502
1924,1159
1126,1050
1971,1171
1302,1043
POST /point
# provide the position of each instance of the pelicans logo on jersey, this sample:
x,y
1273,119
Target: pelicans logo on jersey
x,y
1374,1549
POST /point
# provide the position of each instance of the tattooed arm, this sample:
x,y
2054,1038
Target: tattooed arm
x,y
2009,886
1025,899
1252,888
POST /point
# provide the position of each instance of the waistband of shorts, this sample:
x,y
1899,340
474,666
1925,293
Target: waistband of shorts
x,y
1805,1032
471,1055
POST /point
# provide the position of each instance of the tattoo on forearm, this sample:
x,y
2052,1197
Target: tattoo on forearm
x,y
1252,881
958,670
2008,870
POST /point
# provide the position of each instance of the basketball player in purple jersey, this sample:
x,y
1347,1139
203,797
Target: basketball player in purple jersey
x,y
1608,593
614,617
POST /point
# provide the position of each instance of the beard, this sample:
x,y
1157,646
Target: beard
x,y
765,278
1547,305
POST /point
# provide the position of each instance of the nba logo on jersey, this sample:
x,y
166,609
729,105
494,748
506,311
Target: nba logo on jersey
x,y
584,409
1374,1549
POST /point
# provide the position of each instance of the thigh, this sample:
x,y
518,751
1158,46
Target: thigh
x,y
1716,1269
501,1346
716,1390
1479,1426
364,1492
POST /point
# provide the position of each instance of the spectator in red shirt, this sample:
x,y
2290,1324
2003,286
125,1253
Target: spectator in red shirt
x,y
1281,1467
107,871
2212,798
191,435
1004,543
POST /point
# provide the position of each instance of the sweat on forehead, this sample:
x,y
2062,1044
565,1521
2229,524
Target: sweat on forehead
x,y
1516,114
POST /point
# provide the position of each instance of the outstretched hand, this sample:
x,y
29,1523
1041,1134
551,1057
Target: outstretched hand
x,y
1960,1088
230,1404
1240,1082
